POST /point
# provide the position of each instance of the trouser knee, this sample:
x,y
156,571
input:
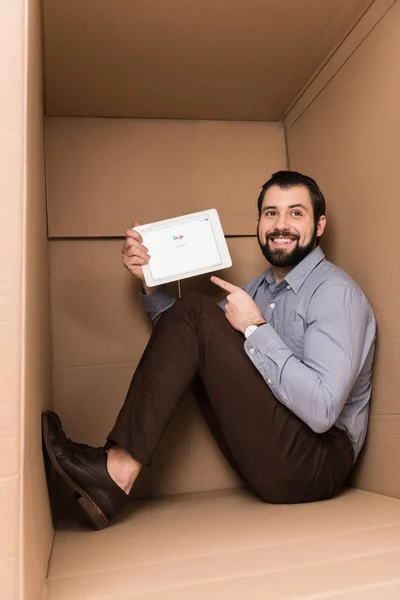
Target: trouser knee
x,y
194,303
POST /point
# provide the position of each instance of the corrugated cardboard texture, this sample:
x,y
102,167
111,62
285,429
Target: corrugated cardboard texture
x,y
348,139
12,47
37,526
103,173
99,333
328,70
231,545
215,59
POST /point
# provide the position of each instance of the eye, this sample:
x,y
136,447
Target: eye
x,y
270,213
297,213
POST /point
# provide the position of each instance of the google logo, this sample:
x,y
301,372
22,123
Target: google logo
x,y
177,237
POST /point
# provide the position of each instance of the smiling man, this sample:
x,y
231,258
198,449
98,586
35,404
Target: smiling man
x,y
289,230
282,373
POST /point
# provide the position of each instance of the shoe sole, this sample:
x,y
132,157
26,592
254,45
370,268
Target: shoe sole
x,y
89,507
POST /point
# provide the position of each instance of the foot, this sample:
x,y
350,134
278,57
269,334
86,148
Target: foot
x,y
84,469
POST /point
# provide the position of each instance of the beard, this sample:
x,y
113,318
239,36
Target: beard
x,y
280,257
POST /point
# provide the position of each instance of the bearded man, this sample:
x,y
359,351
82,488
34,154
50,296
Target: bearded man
x,y
281,369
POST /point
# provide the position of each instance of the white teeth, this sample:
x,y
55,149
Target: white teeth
x,y
282,240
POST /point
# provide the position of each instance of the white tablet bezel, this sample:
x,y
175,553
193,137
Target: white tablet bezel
x,y
216,226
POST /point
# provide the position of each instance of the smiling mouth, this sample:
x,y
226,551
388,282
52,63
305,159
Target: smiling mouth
x,y
282,241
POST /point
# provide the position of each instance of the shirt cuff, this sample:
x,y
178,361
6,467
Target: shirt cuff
x,y
157,302
269,354
264,337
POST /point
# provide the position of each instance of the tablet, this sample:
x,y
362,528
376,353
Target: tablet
x,y
184,247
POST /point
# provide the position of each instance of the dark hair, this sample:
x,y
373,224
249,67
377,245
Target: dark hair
x,y
289,179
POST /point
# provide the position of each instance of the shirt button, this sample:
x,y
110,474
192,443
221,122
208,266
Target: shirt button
x,y
272,305
252,350
269,380
288,287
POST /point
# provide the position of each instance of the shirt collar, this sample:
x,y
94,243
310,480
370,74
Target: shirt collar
x,y
269,277
299,274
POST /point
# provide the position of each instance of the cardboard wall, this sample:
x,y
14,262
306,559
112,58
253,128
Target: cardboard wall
x,y
36,395
347,138
12,46
101,172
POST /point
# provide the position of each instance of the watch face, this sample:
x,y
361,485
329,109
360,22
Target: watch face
x,y
250,329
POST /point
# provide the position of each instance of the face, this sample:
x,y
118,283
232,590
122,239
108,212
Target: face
x,y
287,231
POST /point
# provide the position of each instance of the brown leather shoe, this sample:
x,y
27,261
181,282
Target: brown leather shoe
x,y
84,469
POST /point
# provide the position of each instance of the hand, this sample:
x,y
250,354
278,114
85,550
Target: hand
x,y
135,255
241,310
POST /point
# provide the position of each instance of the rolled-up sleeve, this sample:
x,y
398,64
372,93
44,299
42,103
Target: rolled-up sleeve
x,y
157,302
317,387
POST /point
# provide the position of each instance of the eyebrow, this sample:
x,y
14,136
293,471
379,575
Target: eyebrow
x,y
291,206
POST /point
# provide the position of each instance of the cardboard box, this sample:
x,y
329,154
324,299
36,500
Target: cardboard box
x,y
152,110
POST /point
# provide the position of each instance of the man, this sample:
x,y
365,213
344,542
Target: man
x,y
283,374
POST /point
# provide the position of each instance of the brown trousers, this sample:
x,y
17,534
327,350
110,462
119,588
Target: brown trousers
x,y
274,452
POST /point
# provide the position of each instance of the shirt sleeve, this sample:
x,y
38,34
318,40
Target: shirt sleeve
x,y
317,387
157,302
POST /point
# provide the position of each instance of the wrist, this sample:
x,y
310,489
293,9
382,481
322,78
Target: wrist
x,y
147,290
252,327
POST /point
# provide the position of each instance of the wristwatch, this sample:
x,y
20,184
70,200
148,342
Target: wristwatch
x,y
251,329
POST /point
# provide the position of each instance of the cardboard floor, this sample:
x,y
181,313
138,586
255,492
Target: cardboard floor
x,y
231,545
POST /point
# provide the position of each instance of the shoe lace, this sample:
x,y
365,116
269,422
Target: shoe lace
x,y
96,450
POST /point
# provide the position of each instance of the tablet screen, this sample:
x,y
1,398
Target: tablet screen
x,y
180,248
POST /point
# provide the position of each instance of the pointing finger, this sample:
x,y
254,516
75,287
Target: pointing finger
x,y
225,285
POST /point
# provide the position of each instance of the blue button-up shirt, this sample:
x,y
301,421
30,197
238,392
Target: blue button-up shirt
x,y
316,350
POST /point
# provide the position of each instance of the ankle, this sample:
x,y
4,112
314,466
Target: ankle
x,y
122,468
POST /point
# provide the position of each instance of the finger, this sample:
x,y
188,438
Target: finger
x,y
134,242
136,261
225,285
133,234
131,243
135,257
133,251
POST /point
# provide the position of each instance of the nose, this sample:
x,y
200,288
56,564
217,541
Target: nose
x,y
282,221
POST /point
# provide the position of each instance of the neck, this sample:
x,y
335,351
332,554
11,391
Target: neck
x,y
280,272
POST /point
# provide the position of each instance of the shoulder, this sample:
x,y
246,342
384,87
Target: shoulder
x,y
330,276
333,288
252,285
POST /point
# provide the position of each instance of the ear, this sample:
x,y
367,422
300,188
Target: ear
x,y
321,225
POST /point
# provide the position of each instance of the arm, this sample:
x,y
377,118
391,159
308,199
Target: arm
x,y
317,387
157,302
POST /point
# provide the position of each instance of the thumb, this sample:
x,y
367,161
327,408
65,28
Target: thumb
x,y
135,224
